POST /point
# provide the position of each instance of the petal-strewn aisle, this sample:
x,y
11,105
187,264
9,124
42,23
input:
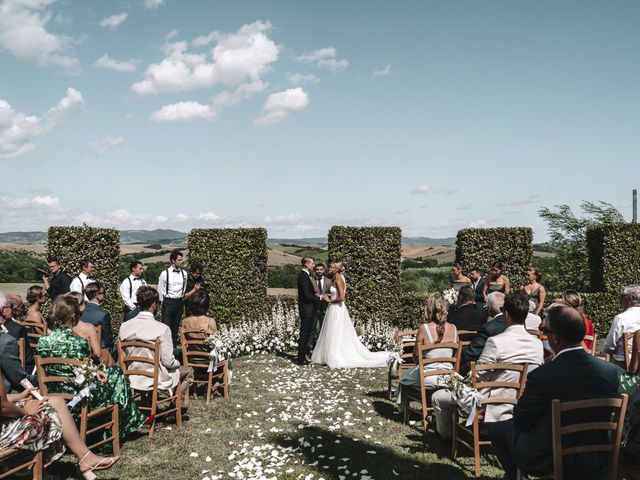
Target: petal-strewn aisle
x,y
286,421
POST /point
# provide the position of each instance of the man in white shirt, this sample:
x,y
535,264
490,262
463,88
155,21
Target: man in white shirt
x,y
626,322
514,345
144,327
84,278
130,285
171,287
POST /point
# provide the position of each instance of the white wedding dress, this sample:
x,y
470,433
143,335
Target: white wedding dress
x,y
338,345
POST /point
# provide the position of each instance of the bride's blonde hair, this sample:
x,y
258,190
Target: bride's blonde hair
x,y
338,265
436,311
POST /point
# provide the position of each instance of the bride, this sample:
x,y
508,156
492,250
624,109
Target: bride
x,y
338,345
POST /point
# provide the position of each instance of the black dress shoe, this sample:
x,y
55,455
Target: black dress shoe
x,y
304,362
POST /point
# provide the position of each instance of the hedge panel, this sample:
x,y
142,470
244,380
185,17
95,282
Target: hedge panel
x,y
481,247
235,266
614,256
372,261
71,244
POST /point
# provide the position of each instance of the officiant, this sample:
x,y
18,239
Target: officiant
x,y
322,285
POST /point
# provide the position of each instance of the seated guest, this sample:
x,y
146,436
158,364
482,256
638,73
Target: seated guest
x,y
146,328
18,306
525,442
199,306
626,322
573,299
95,315
458,280
40,425
433,331
514,345
466,316
37,297
86,330
112,386
533,321
7,323
497,281
11,366
494,326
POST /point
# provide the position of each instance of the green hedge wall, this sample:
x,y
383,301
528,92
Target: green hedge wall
x,y
481,247
72,244
614,256
372,261
235,266
600,307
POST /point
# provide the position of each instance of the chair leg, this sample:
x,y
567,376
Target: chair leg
x,y
476,447
115,429
425,411
38,466
225,388
209,387
179,405
405,404
454,437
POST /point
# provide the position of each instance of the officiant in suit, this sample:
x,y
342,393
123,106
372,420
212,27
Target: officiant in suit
x,y
322,285
308,306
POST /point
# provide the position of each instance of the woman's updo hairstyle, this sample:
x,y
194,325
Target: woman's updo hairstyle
x,y
339,266
34,293
64,311
435,311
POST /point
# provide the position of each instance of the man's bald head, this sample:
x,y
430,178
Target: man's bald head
x,y
566,323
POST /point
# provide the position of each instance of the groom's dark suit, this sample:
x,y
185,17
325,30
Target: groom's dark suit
x,y
308,305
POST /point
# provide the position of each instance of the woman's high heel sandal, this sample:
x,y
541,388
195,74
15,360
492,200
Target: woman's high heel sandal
x,y
103,464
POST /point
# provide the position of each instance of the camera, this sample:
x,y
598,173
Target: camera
x,y
41,272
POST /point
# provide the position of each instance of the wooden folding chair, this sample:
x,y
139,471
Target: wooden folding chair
x,y
420,393
627,341
22,352
35,463
408,339
90,419
146,404
614,427
474,430
464,337
592,338
195,354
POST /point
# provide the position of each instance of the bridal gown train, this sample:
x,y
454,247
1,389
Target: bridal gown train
x,y
338,345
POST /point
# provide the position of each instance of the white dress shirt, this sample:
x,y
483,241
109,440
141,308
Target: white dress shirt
x,y
79,283
176,285
625,322
128,289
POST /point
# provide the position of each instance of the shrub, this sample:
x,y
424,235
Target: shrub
x,y
235,266
71,244
372,260
481,247
614,256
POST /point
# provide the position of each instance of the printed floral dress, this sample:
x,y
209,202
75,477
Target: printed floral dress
x,y
63,343
40,431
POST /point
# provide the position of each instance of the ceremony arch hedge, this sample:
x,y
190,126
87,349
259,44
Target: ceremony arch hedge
x,y
235,267
71,244
481,247
614,256
372,261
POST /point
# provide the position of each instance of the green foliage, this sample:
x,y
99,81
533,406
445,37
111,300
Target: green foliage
x,y
479,248
600,307
372,260
20,267
154,246
284,276
419,262
425,279
235,262
614,256
71,244
567,232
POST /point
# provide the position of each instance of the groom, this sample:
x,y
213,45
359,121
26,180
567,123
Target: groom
x,y
308,305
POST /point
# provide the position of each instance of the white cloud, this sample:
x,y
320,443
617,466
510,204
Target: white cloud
x,y
325,58
384,72
528,200
478,223
237,58
299,79
208,217
18,130
119,66
46,201
153,3
23,33
105,144
424,188
172,34
181,217
282,104
114,21
123,218
286,219
182,112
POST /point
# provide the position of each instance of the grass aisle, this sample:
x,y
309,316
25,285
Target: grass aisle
x,y
290,422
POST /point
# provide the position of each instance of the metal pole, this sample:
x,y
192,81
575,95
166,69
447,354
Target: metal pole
x,y
635,206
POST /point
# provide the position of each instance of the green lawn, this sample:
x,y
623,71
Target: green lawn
x,y
290,422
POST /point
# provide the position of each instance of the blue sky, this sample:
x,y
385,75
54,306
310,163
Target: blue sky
x,y
432,116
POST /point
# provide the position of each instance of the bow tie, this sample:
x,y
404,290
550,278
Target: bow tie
x,y
177,270
137,278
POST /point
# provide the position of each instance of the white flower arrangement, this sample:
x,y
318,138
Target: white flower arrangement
x,y
377,336
450,295
84,375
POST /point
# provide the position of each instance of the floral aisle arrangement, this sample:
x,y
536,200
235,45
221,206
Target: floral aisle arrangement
x,y
377,336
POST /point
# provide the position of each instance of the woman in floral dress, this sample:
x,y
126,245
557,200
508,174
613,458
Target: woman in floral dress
x,y
112,386
36,425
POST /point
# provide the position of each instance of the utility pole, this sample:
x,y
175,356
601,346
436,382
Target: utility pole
x,y
635,206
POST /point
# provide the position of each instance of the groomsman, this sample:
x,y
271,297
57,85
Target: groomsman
x,y
130,285
478,288
308,305
172,284
322,285
80,281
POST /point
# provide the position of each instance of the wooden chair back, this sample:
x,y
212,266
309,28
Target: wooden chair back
x,y
518,386
464,337
22,352
34,462
35,330
627,341
614,428
593,339
45,381
407,339
195,354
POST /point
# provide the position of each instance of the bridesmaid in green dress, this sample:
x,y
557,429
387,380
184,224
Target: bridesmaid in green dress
x,y
112,386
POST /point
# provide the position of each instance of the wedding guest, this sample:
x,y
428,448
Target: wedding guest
x,y
85,330
58,282
199,320
573,299
42,425
11,366
466,316
84,278
477,282
95,315
433,331
627,321
146,328
495,326
497,281
129,286
513,345
195,282
111,386
7,323
525,442
536,291
171,287
37,297
18,306
458,280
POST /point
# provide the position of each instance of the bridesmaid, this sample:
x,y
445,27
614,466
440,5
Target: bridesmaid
x,y
497,281
536,291
458,280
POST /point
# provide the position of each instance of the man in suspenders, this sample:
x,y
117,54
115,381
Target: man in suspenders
x,y
129,286
84,278
171,287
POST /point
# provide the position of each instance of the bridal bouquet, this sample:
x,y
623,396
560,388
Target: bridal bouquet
x,y
450,295
84,377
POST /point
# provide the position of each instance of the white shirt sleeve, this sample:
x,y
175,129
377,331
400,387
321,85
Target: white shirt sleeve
x,y
162,284
613,337
124,293
76,285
